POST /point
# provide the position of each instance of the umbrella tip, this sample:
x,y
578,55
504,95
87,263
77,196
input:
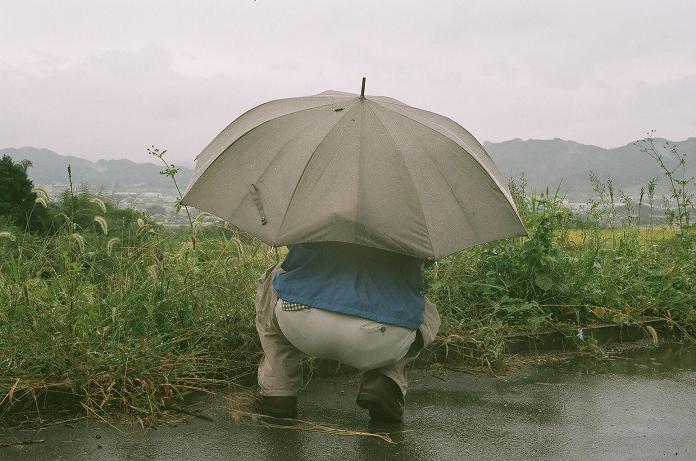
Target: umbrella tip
x,y
362,89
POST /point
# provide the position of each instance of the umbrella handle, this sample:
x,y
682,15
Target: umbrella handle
x,y
259,204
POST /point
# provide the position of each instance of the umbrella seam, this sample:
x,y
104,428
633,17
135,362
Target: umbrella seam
x,y
482,166
316,148
259,179
461,205
449,186
443,116
207,167
420,203
259,106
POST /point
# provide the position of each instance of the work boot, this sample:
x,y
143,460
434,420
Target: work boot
x,y
381,396
276,406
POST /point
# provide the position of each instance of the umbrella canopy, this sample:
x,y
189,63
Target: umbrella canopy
x,y
368,170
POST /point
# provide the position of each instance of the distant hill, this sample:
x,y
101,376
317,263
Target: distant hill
x,y
49,167
544,163
548,162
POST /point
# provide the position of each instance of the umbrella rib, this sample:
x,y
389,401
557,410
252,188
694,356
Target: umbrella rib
x,y
449,185
483,149
481,165
259,106
211,162
316,148
401,155
439,170
281,149
268,167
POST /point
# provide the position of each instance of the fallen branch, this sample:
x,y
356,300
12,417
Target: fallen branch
x,y
301,425
20,443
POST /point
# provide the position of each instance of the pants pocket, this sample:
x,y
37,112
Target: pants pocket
x,y
373,327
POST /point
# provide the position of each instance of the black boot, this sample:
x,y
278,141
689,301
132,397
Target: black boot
x,y
382,397
276,406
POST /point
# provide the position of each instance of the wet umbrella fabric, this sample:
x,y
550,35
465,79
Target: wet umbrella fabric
x,y
371,171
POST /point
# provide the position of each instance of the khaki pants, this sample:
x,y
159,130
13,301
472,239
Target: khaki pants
x,y
280,372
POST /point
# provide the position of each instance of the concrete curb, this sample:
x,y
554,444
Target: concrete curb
x,y
551,341
603,334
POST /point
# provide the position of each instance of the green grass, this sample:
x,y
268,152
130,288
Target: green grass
x,y
126,324
559,279
151,319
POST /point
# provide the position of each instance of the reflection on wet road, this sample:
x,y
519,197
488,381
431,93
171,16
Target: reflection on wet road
x,y
638,406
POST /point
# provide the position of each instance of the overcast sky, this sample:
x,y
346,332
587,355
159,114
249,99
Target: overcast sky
x,y
105,79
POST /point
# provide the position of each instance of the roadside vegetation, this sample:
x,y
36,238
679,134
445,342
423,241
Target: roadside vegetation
x,y
112,311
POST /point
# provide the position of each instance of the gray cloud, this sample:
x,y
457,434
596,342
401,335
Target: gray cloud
x,y
107,78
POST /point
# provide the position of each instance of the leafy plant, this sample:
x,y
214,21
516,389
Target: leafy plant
x,y
674,169
19,202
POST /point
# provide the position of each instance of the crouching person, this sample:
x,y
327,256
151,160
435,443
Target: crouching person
x,y
360,306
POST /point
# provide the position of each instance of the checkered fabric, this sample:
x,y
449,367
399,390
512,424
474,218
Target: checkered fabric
x,y
290,306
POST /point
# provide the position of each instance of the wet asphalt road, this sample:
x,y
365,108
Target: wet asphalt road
x,y
641,406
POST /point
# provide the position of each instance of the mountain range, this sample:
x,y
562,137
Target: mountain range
x,y
543,163
51,168
568,163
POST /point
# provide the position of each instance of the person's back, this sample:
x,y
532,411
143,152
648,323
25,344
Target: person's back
x,y
358,305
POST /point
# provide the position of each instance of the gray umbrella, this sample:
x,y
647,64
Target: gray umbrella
x,y
361,169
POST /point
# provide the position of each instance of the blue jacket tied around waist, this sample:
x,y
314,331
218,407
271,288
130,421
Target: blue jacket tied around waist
x,y
374,284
